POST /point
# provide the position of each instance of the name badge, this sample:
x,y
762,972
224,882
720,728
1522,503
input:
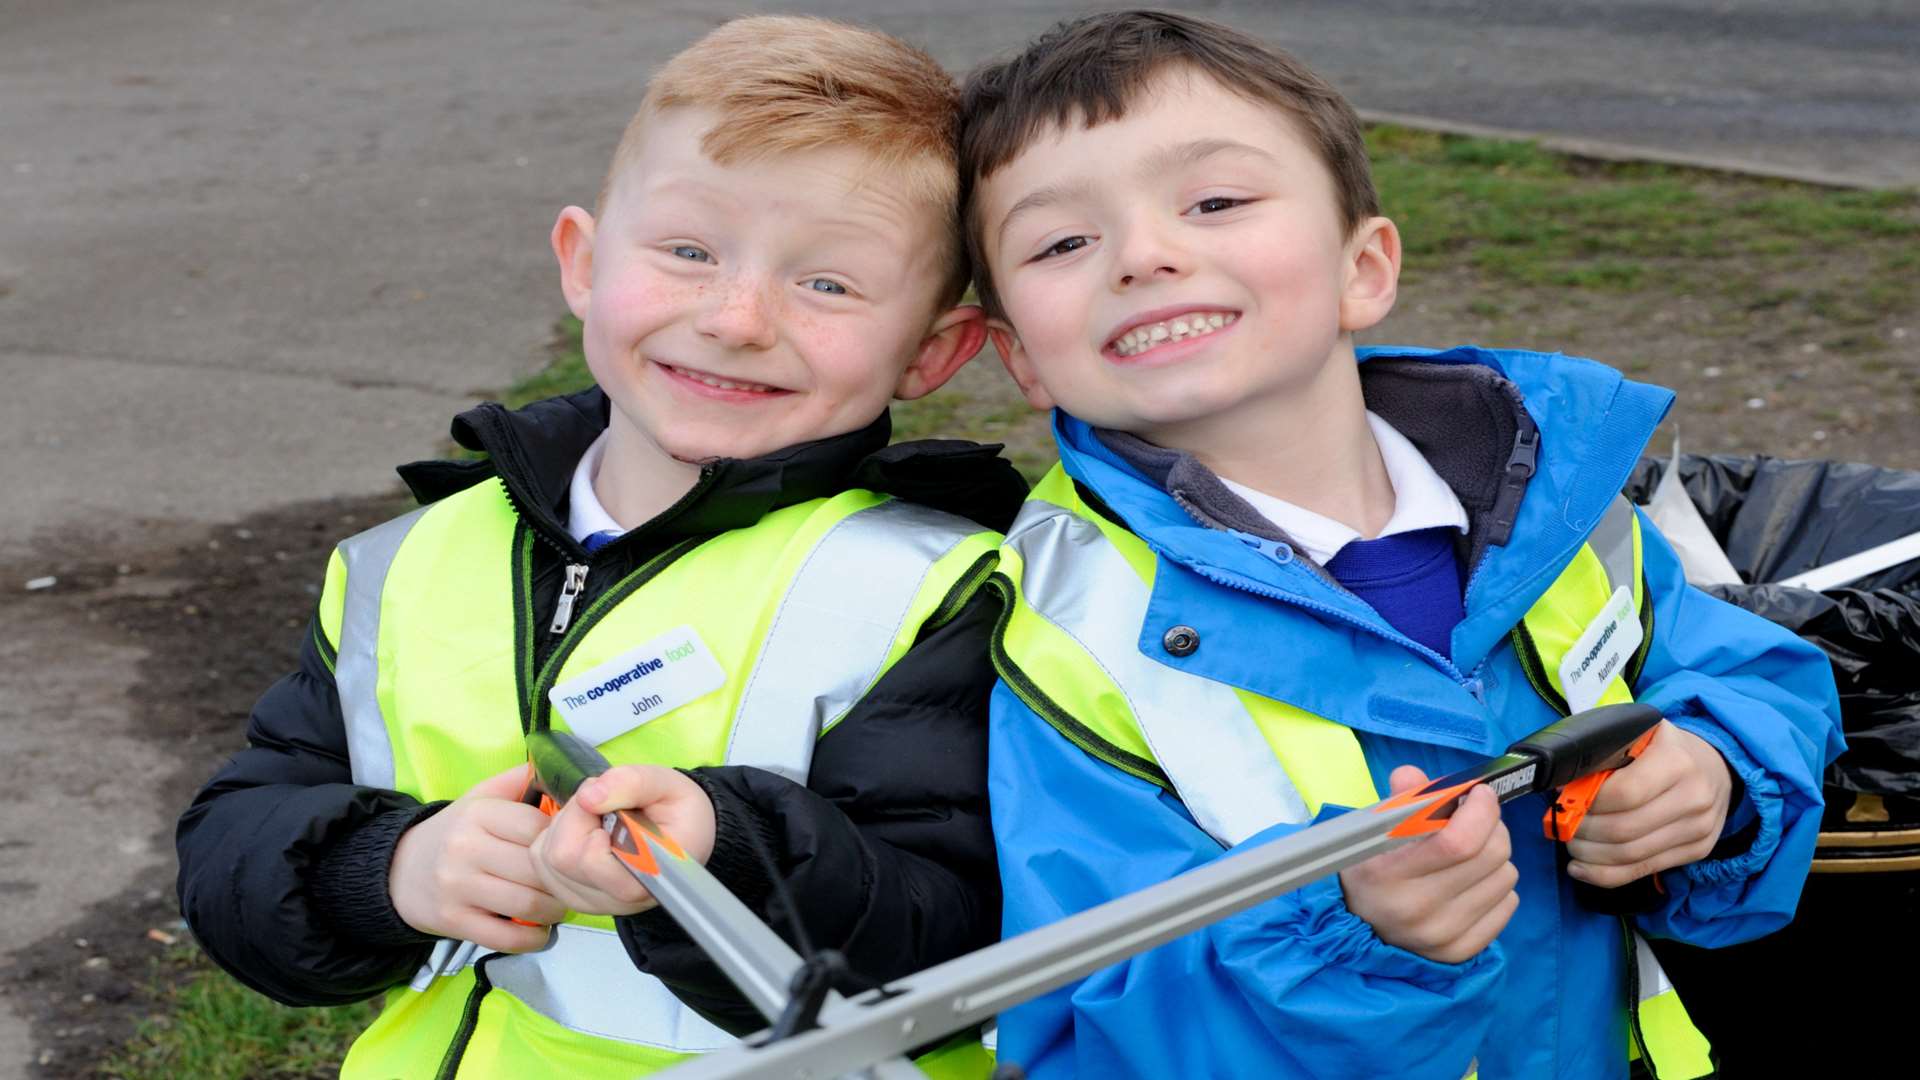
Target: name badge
x,y
1602,651
640,685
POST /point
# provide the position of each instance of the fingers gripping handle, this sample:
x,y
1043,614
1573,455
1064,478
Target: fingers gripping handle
x,y
561,763
1587,742
1579,753
1571,804
1596,741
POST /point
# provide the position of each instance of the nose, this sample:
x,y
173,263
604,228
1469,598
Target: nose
x,y
738,313
1148,253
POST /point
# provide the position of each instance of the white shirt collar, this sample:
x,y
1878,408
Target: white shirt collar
x,y
1421,500
585,514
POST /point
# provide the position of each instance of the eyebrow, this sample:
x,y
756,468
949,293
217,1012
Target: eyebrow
x,y
1045,196
1168,158
1164,160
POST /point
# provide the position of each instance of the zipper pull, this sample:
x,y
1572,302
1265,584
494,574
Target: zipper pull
x,y
576,581
1521,464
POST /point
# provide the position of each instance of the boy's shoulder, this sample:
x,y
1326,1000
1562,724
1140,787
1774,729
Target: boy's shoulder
x,y
1558,388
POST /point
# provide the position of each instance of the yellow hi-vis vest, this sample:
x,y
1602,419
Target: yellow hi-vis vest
x,y
1079,588
428,621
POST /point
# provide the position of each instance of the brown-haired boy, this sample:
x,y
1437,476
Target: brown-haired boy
x,y
1274,575
710,562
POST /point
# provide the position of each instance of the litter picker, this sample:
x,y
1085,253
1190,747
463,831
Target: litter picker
x,y
817,1033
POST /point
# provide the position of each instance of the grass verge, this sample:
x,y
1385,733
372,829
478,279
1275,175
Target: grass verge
x,y
209,1027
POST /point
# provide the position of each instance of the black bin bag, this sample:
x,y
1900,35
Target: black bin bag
x,y
1839,988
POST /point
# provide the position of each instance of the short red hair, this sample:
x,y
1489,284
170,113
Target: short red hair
x,y
783,84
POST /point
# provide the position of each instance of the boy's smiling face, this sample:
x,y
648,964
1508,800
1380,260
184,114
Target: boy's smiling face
x,y
732,310
1171,272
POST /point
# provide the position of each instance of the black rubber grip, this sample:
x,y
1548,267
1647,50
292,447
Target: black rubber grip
x,y
1586,742
562,762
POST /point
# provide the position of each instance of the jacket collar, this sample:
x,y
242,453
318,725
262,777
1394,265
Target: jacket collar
x,y
533,451
1535,445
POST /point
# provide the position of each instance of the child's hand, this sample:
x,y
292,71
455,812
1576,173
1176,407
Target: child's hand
x,y
1447,895
575,859
1666,809
463,872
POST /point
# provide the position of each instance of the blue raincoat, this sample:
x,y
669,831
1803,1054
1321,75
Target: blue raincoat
x,y
1299,986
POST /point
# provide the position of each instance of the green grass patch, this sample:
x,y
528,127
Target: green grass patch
x,y
210,1027
564,374
1522,215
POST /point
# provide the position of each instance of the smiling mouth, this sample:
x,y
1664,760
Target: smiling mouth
x,y
1180,328
705,379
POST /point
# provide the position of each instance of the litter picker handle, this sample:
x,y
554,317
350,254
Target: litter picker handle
x,y
743,947
1589,743
1582,749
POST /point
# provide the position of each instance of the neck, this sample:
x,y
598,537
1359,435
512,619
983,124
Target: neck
x,y
637,480
1309,445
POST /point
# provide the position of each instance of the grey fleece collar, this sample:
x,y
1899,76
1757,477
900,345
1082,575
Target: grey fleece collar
x,y
1465,419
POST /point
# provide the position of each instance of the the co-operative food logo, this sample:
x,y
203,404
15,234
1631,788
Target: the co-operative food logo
x,y
633,674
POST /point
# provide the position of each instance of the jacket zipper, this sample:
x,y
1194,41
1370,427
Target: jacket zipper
x,y
569,592
534,708
549,673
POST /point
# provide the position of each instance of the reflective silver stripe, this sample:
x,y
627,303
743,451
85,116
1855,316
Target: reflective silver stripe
x,y
1200,732
356,666
834,629
584,981
1653,979
1612,541
449,957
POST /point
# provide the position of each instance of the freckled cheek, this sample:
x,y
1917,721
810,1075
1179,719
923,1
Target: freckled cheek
x,y
636,306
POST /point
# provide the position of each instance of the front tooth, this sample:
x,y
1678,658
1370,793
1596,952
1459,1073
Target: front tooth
x,y
1158,333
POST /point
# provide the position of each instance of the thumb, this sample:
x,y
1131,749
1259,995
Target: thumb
x,y
629,787
510,784
1406,778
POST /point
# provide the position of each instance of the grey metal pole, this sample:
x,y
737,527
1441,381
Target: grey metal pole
x,y
959,993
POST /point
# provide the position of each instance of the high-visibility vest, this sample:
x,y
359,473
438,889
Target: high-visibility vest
x,y
1079,585
428,625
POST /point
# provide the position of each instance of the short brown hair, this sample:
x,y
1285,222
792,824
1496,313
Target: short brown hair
x,y
784,84
1091,70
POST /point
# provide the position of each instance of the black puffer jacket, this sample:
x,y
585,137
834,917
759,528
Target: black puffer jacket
x,y
886,851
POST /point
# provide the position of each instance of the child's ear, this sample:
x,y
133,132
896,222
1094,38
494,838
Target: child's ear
x,y
1373,275
573,246
955,338
1006,342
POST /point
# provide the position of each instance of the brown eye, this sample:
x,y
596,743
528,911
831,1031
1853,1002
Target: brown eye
x,y
1070,244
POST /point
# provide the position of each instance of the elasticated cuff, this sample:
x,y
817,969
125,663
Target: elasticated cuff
x,y
349,881
737,826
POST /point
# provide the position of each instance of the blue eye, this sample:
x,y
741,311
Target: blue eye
x,y
826,285
1063,247
691,253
